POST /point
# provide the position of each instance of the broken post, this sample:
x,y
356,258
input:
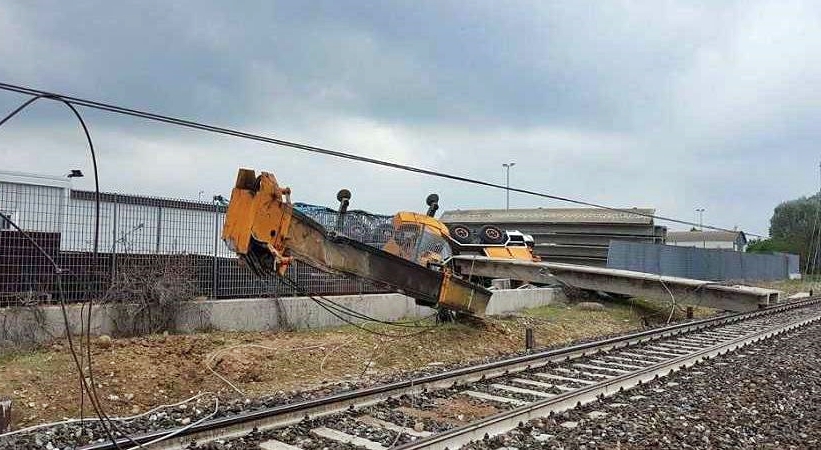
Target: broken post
x,y
5,415
689,312
529,342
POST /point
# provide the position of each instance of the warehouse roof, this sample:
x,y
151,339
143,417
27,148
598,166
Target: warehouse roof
x,y
126,199
550,215
708,236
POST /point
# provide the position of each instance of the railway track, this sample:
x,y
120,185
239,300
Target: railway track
x,y
451,409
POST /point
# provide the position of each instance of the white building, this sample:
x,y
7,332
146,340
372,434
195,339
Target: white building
x,y
708,239
128,223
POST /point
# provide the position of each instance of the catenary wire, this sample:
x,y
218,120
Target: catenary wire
x,y
325,151
291,283
92,391
354,313
59,271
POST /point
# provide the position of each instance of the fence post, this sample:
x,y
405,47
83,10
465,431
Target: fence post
x,y
159,230
530,343
5,415
214,277
115,208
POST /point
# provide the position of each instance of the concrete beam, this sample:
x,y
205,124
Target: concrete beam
x,y
623,282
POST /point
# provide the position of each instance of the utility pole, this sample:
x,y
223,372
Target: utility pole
x,y
812,260
700,212
507,167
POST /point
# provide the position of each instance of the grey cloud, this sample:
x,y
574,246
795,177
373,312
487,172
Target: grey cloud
x,y
673,105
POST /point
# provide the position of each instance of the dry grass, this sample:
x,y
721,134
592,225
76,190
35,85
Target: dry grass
x,y
790,287
160,369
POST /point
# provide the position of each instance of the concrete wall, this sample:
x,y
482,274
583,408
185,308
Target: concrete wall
x,y
27,325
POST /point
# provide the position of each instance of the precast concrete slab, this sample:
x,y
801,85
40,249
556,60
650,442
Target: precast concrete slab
x,y
623,282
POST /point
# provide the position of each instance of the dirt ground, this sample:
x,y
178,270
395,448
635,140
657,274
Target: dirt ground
x,y
136,374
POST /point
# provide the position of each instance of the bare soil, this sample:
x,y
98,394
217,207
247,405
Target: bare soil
x,y
133,375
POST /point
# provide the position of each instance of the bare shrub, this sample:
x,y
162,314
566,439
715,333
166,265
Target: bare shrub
x,y
146,296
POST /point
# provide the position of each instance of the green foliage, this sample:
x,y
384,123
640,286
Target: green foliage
x,y
792,227
766,246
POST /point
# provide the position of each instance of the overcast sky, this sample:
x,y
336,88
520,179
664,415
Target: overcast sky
x,y
671,105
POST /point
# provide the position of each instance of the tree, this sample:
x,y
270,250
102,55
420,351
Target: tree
x,y
795,227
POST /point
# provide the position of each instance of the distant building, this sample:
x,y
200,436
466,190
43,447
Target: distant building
x,y
128,223
735,240
568,235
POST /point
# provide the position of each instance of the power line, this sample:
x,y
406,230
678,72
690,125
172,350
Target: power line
x,y
89,385
325,151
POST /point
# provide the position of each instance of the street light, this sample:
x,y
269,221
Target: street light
x,y
700,212
507,167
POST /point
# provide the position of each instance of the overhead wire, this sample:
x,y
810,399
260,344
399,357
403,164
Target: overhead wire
x,y
341,315
91,390
338,154
59,271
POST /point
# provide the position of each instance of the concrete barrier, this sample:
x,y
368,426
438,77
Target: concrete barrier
x,y
28,325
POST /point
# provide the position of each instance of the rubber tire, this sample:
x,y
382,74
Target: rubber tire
x,y
490,234
460,233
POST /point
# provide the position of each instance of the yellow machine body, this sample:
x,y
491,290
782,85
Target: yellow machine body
x,y
522,253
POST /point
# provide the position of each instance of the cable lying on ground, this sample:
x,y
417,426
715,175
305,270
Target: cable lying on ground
x,y
118,419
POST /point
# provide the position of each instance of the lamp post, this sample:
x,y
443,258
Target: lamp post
x,y
507,167
700,212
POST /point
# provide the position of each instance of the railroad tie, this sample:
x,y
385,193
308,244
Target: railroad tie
x,y
370,420
629,360
518,390
550,376
494,398
617,364
274,444
600,368
530,382
345,438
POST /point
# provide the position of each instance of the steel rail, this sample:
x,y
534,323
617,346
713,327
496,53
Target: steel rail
x,y
280,416
508,420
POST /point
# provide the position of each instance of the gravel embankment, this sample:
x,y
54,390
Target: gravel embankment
x,y
768,395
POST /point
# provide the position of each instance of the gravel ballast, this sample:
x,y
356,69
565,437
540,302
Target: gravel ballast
x,y
767,395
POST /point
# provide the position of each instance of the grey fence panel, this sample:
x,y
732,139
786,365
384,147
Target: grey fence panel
x,y
142,238
700,263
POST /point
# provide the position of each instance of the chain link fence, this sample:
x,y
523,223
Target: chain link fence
x,y
147,236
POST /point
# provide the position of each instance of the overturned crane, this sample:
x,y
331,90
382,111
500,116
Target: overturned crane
x,y
268,233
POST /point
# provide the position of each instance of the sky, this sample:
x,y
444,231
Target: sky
x,y
662,104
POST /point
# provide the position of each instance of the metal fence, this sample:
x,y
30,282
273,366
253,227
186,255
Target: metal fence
x,y
162,240
700,263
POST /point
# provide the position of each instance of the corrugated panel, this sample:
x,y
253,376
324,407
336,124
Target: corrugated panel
x,y
699,263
